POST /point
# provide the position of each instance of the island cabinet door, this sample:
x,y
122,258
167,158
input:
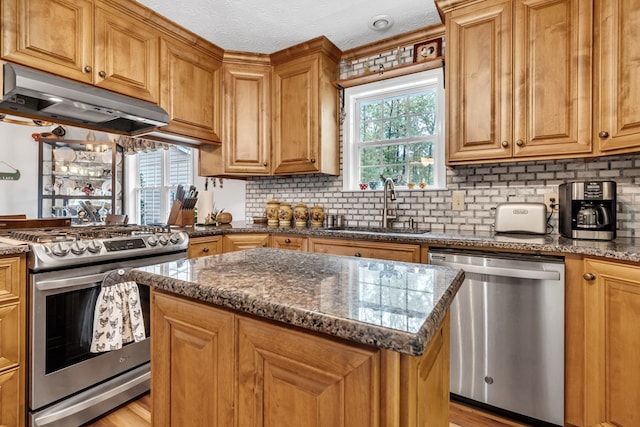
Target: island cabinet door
x,y
191,363
288,378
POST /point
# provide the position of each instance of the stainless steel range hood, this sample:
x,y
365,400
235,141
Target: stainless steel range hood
x,y
40,95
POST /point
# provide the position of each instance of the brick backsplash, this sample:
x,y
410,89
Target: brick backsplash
x,y
484,185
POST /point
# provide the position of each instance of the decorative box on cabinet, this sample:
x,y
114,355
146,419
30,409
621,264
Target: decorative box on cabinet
x,y
94,44
80,179
305,115
518,79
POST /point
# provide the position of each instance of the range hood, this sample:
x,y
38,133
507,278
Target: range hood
x,y
44,96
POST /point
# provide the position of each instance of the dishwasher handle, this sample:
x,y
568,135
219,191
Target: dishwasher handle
x,y
506,272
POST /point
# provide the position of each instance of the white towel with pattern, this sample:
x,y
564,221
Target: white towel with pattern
x,y
118,317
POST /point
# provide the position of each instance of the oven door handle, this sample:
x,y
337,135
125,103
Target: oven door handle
x,y
88,281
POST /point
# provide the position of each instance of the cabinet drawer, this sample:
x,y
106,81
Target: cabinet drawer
x,y
294,243
10,330
239,242
378,250
204,246
12,270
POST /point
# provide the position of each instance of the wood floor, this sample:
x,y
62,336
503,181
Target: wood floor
x,y
137,413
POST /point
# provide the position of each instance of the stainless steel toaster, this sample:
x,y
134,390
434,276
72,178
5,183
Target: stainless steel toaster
x,y
528,218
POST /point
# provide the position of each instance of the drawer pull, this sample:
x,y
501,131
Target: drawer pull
x,y
358,254
205,250
505,144
519,143
589,276
603,134
87,68
102,74
287,241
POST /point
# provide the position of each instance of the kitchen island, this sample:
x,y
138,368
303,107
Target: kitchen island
x,y
274,337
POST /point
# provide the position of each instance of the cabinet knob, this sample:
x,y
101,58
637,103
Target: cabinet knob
x,y
603,134
588,276
505,144
313,160
102,74
264,245
87,68
287,241
519,143
265,164
358,254
205,250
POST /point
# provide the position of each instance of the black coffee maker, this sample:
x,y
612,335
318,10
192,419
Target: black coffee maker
x,y
588,210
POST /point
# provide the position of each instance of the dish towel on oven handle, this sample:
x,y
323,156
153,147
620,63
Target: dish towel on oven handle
x,y
118,317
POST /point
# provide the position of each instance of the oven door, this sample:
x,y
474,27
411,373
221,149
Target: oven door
x,y
62,305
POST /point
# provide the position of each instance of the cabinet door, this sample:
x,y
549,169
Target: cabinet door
x,y
304,379
192,352
190,83
617,93
552,72
247,126
479,82
10,330
204,246
293,243
612,316
12,280
126,55
240,242
379,250
51,35
11,390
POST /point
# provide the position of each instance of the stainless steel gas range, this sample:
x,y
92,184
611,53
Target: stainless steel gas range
x,y
67,384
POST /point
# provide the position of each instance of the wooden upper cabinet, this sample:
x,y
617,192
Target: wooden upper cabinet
x,y
126,55
51,35
519,80
479,82
74,39
305,120
617,93
190,86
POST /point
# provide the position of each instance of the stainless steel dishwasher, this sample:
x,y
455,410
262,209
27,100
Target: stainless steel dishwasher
x,y
507,332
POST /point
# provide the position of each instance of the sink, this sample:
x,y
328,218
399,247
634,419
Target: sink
x,y
368,230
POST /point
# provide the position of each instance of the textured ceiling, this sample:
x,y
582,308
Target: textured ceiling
x,y
266,26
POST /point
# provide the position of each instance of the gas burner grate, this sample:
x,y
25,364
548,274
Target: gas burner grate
x,y
85,233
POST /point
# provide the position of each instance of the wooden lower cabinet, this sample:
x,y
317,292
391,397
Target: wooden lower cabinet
x,y
204,246
12,340
293,243
405,252
285,376
240,242
603,374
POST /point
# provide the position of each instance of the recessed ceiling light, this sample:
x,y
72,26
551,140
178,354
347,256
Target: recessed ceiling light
x,y
381,23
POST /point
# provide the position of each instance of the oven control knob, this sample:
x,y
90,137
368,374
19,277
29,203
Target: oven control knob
x,y
78,248
59,249
152,241
163,240
94,246
174,238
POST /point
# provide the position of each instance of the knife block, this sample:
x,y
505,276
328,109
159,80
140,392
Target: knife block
x,y
179,216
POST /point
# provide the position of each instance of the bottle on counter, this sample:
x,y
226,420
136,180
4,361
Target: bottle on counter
x,y
285,215
300,215
272,212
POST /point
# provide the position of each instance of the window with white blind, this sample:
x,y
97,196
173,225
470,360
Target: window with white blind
x,y
159,173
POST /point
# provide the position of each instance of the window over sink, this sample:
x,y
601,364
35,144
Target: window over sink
x,y
395,128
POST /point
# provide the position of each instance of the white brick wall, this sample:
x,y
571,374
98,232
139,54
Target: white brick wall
x,y
485,185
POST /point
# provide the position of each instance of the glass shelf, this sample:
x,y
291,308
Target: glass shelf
x,y
77,181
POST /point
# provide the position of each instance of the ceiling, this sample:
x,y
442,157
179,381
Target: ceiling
x,y
266,26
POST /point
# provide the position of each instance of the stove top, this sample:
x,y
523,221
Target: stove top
x,y
67,247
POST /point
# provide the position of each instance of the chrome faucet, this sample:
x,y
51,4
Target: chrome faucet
x,y
388,186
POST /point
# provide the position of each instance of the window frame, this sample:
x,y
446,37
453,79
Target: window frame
x,y
167,191
403,85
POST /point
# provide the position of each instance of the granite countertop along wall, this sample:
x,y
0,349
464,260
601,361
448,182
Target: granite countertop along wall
x,y
6,249
391,305
623,249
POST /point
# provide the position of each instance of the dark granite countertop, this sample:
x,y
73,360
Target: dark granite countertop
x,y
623,249
391,305
7,249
